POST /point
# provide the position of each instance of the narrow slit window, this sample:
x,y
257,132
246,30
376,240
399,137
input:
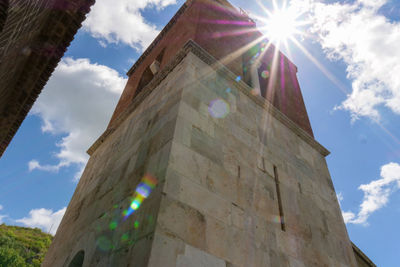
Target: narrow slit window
x,y
278,193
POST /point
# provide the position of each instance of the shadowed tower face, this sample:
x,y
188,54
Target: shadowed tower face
x,y
34,35
209,160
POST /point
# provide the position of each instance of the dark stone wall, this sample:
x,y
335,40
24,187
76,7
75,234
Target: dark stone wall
x,y
3,12
35,35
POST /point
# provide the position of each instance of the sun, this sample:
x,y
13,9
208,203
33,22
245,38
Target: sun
x,y
281,24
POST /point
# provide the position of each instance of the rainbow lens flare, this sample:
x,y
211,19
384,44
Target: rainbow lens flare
x,y
265,74
276,219
142,192
218,108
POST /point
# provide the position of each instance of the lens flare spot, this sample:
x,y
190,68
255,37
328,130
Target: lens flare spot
x,y
218,108
265,74
277,219
144,190
26,51
136,204
238,78
113,225
125,237
136,224
103,243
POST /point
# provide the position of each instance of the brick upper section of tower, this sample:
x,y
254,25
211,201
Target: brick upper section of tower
x,y
231,37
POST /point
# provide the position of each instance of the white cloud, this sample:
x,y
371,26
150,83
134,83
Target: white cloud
x,y
2,216
348,216
122,21
376,194
45,219
339,197
34,164
368,43
77,102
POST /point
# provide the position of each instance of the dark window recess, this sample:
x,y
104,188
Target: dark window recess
x,y
150,72
147,76
160,56
77,261
257,55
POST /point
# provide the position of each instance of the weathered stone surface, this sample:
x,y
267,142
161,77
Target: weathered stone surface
x,y
94,221
165,250
225,196
197,258
224,171
182,221
206,145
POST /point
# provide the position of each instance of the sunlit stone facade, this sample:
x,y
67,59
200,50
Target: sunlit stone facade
x,y
196,169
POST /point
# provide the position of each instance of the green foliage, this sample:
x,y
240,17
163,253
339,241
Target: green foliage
x,y
22,247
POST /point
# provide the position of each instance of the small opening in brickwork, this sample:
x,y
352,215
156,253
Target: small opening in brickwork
x,y
77,261
278,192
150,72
147,76
161,56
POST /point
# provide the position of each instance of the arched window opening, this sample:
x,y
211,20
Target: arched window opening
x,y
77,261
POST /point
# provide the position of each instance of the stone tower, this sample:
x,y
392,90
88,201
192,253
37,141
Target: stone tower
x,y
209,160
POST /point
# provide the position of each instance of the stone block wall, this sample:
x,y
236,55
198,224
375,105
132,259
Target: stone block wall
x,y
94,220
219,170
220,206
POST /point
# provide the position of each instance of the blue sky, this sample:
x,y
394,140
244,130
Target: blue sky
x,y
353,105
